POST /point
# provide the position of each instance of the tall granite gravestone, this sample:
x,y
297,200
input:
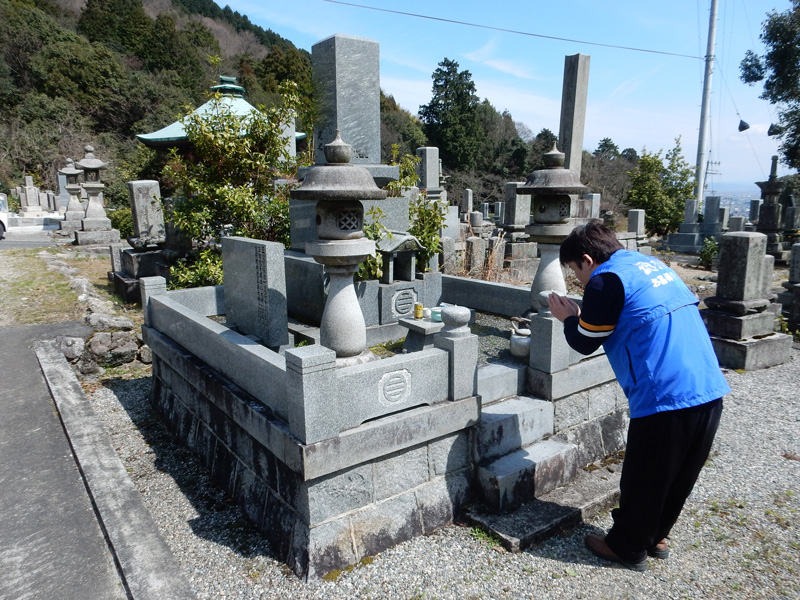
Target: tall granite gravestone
x,y
755,207
573,110
346,77
466,202
63,193
255,289
740,327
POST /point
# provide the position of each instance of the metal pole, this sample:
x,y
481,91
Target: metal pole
x,y
700,169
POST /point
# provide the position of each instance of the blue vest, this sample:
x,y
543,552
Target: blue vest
x,y
660,350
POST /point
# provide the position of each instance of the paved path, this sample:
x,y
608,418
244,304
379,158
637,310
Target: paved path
x,y
27,237
72,525
52,545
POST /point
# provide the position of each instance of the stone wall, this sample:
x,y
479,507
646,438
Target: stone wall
x,y
392,479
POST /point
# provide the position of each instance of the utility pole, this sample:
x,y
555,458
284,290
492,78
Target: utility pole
x,y
700,169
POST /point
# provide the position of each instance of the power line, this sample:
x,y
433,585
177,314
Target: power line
x,y
526,33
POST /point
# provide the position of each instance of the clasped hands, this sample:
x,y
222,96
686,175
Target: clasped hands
x,y
562,307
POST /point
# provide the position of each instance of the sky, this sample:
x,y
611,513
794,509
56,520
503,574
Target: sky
x,y
641,100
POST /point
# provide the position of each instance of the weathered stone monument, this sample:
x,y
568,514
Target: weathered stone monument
x,y
741,329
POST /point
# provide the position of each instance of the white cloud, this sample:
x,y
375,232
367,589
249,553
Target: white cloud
x,y
510,68
486,55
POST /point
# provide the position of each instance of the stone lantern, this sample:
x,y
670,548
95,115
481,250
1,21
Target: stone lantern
x,y
554,192
75,213
338,189
96,226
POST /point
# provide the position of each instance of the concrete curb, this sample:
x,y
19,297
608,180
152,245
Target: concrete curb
x,y
146,564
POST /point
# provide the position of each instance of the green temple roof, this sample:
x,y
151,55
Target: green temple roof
x,y
175,134
232,97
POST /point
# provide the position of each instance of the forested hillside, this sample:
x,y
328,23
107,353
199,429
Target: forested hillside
x,y
77,72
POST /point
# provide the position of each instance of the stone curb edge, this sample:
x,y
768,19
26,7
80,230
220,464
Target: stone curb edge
x,y
148,569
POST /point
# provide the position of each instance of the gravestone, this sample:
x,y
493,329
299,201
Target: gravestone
x,y
518,208
736,223
63,193
29,200
786,297
737,319
755,207
346,78
255,289
724,215
636,221
147,213
711,223
466,201
428,168
573,110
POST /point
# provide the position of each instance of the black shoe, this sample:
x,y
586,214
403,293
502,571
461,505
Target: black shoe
x,y
659,550
597,544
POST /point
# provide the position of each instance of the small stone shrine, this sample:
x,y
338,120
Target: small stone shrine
x,y
737,319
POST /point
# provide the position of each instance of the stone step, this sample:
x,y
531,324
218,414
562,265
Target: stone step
x,y
497,381
589,494
529,472
510,424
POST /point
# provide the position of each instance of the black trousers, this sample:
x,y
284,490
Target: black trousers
x,y
664,455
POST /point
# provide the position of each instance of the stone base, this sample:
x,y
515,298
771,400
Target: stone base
x,y
736,327
326,505
753,353
576,378
90,238
96,224
688,243
138,263
69,226
127,287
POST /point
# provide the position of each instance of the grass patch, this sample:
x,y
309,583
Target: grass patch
x,y
32,294
488,538
388,349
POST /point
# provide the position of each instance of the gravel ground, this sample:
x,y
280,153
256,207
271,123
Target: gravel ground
x,y
738,536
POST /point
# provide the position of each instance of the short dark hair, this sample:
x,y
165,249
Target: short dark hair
x,y
594,239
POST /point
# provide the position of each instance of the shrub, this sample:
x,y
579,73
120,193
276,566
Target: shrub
x,y
122,220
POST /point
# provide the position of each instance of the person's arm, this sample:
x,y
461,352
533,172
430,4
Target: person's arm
x,y
603,299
